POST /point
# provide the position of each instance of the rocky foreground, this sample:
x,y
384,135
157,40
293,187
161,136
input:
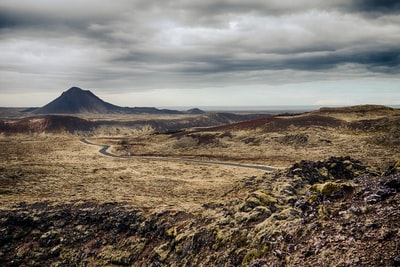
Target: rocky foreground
x,y
336,212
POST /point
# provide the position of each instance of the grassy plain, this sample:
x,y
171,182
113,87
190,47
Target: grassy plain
x,y
61,168
58,167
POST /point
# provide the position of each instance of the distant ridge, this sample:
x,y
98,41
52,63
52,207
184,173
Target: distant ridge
x,y
357,108
195,111
76,100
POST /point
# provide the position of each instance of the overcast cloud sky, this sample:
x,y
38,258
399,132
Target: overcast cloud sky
x,y
201,53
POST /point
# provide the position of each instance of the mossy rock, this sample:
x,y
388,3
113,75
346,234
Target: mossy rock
x,y
329,188
260,198
162,252
284,189
289,213
220,238
312,199
172,232
397,165
255,254
179,237
323,172
114,256
250,256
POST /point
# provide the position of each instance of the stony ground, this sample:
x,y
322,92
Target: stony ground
x,y
336,212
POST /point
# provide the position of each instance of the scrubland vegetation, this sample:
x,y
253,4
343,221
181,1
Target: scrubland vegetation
x,y
332,200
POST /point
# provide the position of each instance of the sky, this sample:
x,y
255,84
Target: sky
x,y
201,53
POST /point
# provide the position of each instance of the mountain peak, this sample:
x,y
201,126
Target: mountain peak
x,y
76,100
76,90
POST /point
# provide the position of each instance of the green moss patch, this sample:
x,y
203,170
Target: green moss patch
x,y
329,188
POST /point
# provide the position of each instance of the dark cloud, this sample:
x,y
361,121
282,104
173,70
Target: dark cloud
x,y
45,18
7,20
368,59
376,61
175,42
377,6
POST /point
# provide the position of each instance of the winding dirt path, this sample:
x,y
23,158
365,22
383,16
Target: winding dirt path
x,y
104,151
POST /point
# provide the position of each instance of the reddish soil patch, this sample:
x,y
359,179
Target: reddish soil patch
x,y
243,125
47,124
277,124
305,121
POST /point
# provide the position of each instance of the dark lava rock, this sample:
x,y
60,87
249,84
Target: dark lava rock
x,y
313,172
294,139
392,169
64,234
372,199
396,261
382,190
328,222
386,192
393,183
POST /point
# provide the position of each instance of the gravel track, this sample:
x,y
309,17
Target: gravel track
x,y
104,152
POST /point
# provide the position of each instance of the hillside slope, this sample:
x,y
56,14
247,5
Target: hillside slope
x,y
71,124
335,212
76,100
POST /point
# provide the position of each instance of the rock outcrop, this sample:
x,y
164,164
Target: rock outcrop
x,y
336,212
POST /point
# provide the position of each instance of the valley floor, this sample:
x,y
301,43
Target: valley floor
x,y
63,168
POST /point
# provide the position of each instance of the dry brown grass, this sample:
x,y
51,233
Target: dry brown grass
x,y
355,113
61,168
279,149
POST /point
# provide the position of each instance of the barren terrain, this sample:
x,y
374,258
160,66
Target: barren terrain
x,y
280,141
51,168
332,199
